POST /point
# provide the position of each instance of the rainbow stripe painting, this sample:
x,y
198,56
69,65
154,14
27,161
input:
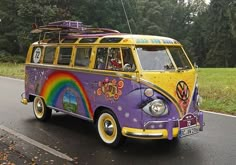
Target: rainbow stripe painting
x,y
57,82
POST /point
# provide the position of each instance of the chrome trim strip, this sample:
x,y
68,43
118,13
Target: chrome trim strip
x,y
132,134
72,114
156,122
122,74
66,112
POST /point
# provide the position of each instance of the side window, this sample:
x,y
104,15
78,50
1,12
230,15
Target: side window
x,y
83,57
108,59
115,59
64,56
101,58
128,60
49,55
36,55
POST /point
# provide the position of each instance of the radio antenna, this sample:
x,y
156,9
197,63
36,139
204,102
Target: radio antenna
x,y
126,16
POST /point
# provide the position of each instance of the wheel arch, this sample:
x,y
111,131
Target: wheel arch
x,y
99,110
32,97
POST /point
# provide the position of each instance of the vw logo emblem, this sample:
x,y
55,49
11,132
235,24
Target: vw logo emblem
x,y
182,91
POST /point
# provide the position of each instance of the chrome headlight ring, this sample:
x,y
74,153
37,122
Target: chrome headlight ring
x,y
156,108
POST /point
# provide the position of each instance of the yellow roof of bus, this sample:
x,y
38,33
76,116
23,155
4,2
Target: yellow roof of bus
x,y
145,39
133,39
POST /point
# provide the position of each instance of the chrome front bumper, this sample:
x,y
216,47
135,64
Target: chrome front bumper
x,y
149,133
170,131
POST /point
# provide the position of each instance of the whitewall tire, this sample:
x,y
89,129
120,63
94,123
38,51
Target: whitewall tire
x,y
41,111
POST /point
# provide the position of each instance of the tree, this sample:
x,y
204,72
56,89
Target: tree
x,y
220,38
17,17
231,12
198,46
209,33
8,35
39,12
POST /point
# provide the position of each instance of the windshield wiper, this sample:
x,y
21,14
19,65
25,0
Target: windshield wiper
x,y
169,67
183,68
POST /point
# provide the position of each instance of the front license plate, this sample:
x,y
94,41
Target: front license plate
x,y
186,131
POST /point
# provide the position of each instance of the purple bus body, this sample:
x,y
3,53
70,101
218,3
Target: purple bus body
x,y
126,103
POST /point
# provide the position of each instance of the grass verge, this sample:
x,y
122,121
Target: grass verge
x,y
12,70
218,89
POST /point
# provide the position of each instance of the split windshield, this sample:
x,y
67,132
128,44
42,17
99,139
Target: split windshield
x,y
157,58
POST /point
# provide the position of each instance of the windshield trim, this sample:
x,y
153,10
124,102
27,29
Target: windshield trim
x,y
157,70
166,48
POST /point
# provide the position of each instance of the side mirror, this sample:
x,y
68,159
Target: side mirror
x,y
195,65
127,68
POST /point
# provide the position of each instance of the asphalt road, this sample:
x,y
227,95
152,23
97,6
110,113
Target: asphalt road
x,y
24,140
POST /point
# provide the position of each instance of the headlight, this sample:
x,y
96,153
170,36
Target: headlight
x,y
156,108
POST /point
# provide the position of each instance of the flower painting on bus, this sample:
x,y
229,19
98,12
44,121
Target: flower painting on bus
x,y
110,89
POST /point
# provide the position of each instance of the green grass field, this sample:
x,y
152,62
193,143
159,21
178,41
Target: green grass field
x,y
218,89
12,70
217,86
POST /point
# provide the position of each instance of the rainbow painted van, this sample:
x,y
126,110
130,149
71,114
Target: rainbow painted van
x,y
136,86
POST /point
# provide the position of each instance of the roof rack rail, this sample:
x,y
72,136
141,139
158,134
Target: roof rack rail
x,y
75,27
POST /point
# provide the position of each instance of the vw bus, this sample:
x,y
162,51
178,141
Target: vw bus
x,y
136,86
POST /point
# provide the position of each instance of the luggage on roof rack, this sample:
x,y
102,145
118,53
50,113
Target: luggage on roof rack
x,y
67,24
76,27
70,29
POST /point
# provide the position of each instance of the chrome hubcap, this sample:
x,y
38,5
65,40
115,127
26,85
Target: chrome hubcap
x,y
108,127
39,107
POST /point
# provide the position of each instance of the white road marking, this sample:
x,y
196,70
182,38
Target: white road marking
x,y
10,78
35,143
221,114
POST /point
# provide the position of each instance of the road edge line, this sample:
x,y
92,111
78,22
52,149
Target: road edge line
x,y
220,114
35,143
10,78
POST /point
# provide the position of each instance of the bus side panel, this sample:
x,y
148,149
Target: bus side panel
x,y
83,92
60,89
121,95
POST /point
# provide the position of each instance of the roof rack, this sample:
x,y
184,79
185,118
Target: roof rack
x,y
72,28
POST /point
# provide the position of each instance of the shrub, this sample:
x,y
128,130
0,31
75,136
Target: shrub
x,y
6,57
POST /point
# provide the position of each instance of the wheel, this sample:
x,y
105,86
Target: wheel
x,y
41,111
109,129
